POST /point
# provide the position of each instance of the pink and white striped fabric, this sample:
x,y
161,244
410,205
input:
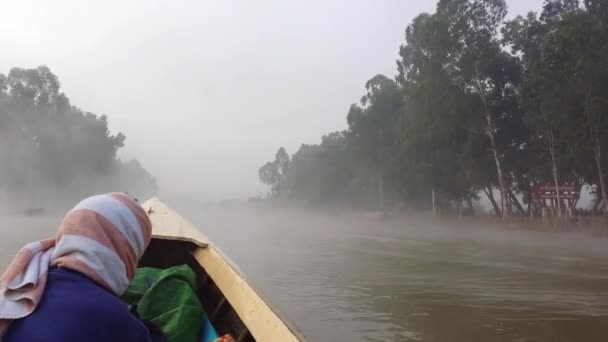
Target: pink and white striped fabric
x,y
103,237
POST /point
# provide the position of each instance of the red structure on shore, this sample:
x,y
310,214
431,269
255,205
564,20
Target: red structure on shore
x,y
547,195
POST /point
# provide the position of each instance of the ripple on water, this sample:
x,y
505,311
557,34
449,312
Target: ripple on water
x,y
345,280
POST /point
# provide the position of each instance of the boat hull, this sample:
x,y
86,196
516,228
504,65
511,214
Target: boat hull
x,y
231,302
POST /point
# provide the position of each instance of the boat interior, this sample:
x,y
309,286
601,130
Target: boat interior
x,y
164,253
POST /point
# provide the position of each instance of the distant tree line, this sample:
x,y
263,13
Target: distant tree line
x,y
480,105
50,148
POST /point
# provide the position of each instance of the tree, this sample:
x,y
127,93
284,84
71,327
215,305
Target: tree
x,y
463,105
598,9
578,48
453,66
479,66
547,92
553,10
275,173
374,127
48,146
439,135
323,174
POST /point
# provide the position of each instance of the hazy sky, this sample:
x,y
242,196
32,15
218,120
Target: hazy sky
x,y
206,91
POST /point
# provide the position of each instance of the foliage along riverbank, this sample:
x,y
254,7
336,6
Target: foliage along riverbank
x,y
52,151
481,106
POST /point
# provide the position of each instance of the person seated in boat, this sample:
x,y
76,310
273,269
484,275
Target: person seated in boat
x,y
67,288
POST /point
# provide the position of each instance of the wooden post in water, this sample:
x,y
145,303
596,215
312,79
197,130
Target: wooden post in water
x,y
459,209
433,200
381,190
543,213
531,214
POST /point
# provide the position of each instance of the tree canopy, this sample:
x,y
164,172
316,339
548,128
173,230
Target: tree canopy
x,y
479,105
52,149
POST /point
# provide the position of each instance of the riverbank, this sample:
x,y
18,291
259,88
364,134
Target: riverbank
x,y
592,225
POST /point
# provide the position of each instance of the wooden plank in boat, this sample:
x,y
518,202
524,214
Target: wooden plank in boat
x,y
169,225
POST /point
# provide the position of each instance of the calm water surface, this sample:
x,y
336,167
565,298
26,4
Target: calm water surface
x,y
346,279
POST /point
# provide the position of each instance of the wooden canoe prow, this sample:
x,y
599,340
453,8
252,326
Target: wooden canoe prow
x,y
263,322
169,225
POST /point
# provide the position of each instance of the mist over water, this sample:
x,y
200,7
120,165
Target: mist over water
x,y
345,278
349,278
18,230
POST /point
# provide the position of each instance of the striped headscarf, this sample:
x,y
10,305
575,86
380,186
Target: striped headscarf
x,y
103,237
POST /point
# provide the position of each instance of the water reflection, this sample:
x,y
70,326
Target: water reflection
x,y
350,280
344,279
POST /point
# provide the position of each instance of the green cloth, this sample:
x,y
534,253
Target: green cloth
x,y
168,299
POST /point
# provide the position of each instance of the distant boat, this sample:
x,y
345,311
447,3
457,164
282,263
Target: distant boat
x,y
232,304
34,212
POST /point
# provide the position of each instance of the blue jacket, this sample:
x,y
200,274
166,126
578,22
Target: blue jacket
x,y
74,308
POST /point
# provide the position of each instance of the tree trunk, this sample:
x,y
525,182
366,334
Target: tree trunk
x,y
510,197
598,162
381,189
529,195
597,152
491,135
433,200
518,205
381,175
555,174
599,201
492,200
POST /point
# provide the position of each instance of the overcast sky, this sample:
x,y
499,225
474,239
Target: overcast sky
x,y
206,91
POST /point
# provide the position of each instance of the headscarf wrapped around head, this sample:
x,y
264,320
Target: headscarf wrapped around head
x,y
103,237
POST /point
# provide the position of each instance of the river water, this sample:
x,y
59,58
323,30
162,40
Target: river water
x,y
360,279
